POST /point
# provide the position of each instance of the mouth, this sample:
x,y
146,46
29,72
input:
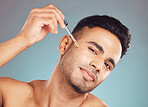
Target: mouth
x,y
88,75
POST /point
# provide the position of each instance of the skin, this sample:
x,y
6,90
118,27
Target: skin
x,y
72,70
89,57
39,23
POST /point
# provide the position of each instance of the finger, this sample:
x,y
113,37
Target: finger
x,y
60,16
47,12
45,9
42,21
50,16
55,23
58,10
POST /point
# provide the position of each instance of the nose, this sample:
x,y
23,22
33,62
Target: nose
x,y
97,65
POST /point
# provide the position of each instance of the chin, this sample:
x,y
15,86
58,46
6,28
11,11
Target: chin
x,y
80,90
79,86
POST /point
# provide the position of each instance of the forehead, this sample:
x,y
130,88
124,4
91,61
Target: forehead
x,y
110,43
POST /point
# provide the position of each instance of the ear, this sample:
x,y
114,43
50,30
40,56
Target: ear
x,y
65,43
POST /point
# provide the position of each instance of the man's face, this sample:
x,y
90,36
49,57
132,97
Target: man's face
x,y
89,65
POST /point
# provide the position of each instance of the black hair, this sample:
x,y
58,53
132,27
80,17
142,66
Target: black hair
x,y
109,23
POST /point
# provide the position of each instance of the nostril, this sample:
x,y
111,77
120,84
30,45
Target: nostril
x,y
97,70
94,66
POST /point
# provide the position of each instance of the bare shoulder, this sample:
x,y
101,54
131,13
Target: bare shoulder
x,y
38,85
10,85
93,101
37,82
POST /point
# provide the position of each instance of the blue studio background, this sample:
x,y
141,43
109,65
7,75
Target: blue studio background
x,y
125,87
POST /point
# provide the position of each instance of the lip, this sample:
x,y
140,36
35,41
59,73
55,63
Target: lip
x,y
88,74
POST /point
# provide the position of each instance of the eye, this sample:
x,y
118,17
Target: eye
x,y
107,66
92,50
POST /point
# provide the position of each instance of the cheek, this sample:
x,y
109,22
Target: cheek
x,y
83,59
104,75
83,55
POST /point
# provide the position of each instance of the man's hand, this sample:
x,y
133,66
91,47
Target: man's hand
x,y
40,22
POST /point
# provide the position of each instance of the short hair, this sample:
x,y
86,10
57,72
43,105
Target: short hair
x,y
109,23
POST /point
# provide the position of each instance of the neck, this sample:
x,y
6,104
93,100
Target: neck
x,y
60,92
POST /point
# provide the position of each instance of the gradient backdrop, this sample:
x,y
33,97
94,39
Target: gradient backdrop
x,y
125,87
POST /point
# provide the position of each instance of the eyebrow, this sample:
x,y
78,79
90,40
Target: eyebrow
x,y
97,46
112,61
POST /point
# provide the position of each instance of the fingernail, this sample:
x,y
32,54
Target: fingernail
x,y
63,25
51,31
56,31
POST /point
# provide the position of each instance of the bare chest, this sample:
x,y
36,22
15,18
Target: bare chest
x,y
19,102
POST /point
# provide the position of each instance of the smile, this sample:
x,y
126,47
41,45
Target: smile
x,y
88,75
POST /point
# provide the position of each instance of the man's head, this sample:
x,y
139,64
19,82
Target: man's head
x,y
109,23
101,40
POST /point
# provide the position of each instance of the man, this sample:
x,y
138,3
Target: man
x,y
102,41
